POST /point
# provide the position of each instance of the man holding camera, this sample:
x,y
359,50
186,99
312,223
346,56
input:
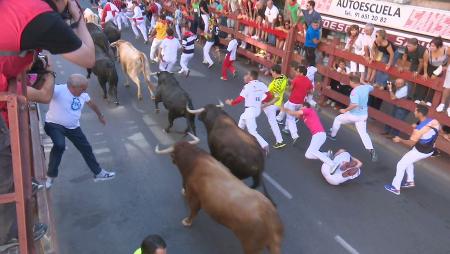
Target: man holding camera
x,y
397,91
27,25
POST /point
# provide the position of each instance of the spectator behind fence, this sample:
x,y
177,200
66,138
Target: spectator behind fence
x,y
382,51
397,92
351,46
270,14
204,14
28,25
363,46
152,244
413,57
312,40
310,14
445,94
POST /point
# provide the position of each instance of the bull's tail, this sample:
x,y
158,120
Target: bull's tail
x,y
146,71
265,192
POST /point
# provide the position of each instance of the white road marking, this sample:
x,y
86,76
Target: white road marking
x,y
135,107
278,186
346,245
61,72
162,137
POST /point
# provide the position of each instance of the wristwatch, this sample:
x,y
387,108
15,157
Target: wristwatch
x,y
52,73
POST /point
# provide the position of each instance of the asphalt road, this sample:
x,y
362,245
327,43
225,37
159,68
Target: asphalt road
x,y
113,217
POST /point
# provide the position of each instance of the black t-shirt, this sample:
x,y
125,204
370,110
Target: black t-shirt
x,y
49,31
414,57
203,4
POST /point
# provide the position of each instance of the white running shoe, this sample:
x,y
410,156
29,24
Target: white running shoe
x,y
104,176
448,111
440,108
49,182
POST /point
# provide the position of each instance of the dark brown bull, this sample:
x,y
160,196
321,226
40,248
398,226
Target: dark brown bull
x,y
111,31
211,186
174,99
99,38
234,147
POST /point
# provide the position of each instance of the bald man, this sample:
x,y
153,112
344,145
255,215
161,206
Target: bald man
x,y
63,120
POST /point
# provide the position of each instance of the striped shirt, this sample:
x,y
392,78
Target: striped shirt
x,y
188,43
277,88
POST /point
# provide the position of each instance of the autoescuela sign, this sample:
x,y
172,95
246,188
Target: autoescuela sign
x,y
431,22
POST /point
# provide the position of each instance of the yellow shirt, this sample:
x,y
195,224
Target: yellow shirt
x,y
138,251
161,29
277,88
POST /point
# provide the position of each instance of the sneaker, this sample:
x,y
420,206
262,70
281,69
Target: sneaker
x,y
180,72
392,189
234,74
210,66
373,155
204,62
12,246
49,182
408,184
285,131
104,175
331,137
294,141
330,154
187,73
279,145
222,78
334,168
440,108
39,230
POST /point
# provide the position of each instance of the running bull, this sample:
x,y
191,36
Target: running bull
x,y
174,99
229,144
210,185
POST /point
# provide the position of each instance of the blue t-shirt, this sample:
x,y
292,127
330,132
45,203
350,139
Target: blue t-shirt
x,y
311,34
360,96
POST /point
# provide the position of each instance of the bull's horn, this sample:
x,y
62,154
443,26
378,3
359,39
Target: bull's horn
x,y
194,111
164,151
153,73
220,105
195,141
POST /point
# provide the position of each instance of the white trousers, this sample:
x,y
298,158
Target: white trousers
x,y
271,112
206,49
178,31
248,120
166,66
155,45
124,18
205,18
313,152
357,67
137,26
290,123
184,61
360,123
406,164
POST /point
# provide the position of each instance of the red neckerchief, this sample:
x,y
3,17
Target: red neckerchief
x,y
188,33
293,3
170,37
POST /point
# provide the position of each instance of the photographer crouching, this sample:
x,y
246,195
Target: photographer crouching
x,y
28,26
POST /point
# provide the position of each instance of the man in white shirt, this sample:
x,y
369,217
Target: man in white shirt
x,y
169,51
348,168
401,92
138,22
63,120
271,12
254,92
230,58
362,47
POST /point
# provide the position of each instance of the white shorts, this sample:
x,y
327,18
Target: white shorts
x,y
447,78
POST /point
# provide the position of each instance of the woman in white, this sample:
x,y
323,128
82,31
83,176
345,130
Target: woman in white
x,y
169,50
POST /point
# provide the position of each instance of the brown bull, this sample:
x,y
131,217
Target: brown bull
x,y
133,63
210,185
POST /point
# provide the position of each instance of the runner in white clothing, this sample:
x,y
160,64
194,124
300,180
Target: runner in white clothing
x,y
254,92
138,22
348,168
169,51
356,113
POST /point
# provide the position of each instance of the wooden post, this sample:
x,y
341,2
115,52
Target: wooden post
x,y
326,81
289,48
